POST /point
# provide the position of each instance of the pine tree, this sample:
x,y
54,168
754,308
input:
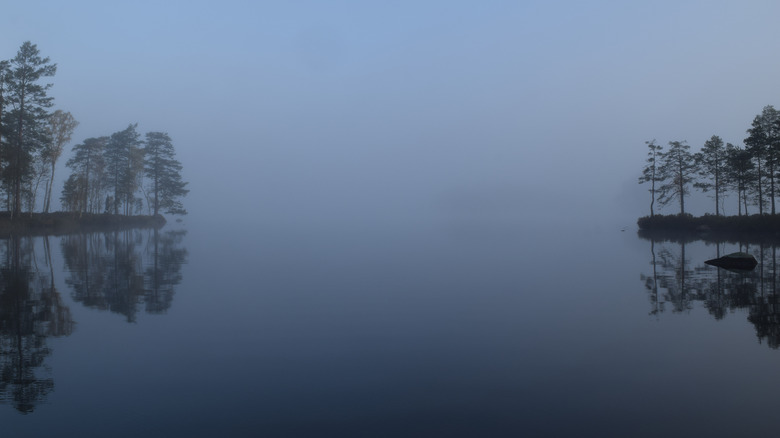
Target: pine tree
x,y
711,161
651,172
164,174
677,170
741,173
762,143
84,188
24,125
123,165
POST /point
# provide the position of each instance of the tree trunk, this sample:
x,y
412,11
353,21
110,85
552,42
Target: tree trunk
x,y
652,200
760,195
739,201
652,190
18,171
47,201
717,187
116,193
157,194
681,182
772,186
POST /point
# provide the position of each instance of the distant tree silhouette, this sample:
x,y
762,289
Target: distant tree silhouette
x,y
24,124
84,187
60,127
32,141
124,163
164,173
651,172
677,172
762,143
712,164
741,174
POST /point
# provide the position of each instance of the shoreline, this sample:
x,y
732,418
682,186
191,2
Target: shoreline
x,y
687,227
58,223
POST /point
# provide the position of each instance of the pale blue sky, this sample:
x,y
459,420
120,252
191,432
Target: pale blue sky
x,y
319,106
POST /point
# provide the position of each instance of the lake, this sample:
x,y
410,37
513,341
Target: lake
x,y
444,326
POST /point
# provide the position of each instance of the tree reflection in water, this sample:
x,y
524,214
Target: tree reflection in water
x,y
117,271
677,283
31,310
120,271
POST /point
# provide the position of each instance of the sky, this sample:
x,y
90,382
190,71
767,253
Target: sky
x,y
325,109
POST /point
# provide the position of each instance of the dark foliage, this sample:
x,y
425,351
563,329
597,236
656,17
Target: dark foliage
x,y
107,173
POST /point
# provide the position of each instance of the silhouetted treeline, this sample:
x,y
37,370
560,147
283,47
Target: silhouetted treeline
x,y
750,172
109,173
118,174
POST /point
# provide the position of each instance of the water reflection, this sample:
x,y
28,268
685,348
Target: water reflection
x,y
121,271
124,270
675,282
31,310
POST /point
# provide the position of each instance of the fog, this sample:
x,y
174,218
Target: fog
x,y
404,220
330,111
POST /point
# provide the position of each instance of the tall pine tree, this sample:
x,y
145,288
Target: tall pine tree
x,y
651,173
712,165
164,174
84,188
24,124
123,165
677,169
741,173
762,143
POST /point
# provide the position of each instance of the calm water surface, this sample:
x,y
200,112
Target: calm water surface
x,y
439,327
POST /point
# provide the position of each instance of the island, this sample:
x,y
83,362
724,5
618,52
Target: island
x,y
727,173
121,180
60,223
710,227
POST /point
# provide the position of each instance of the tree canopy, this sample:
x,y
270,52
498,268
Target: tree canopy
x,y
118,173
749,172
25,102
164,173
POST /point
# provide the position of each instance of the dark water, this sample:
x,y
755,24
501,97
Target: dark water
x,y
435,328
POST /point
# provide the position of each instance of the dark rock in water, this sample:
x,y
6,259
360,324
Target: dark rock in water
x,y
737,260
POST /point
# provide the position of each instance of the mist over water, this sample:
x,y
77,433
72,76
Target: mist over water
x,y
411,219
460,321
